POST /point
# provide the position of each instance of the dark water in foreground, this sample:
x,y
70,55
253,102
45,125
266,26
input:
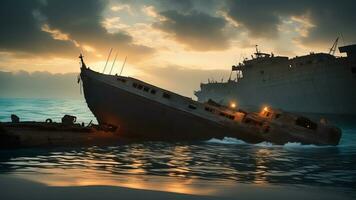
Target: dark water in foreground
x,y
218,160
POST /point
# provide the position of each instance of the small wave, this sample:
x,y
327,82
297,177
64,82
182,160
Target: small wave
x,y
226,140
289,145
295,145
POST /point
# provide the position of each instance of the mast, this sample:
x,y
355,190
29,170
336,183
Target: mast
x,y
333,48
107,60
123,65
82,61
113,62
259,54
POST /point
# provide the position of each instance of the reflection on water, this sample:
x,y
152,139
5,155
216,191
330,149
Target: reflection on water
x,y
262,157
86,177
136,165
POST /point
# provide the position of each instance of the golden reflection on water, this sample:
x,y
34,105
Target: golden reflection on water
x,y
103,168
178,179
135,176
262,157
179,161
136,163
79,177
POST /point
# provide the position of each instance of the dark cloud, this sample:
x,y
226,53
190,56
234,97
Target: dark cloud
x,y
21,31
262,17
186,5
207,6
196,30
194,23
332,19
81,20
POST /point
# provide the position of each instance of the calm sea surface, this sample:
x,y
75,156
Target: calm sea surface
x,y
227,160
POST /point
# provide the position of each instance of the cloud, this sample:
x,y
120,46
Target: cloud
x,y
260,18
21,30
196,30
58,27
156,28
38,85
326,18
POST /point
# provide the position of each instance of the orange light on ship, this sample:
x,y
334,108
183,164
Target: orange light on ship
x,y
233,105
265,109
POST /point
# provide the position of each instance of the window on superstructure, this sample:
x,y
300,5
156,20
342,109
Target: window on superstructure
x,y
226,115
209,109
192,106
139,86
134,85
153,91
146,89
122,80
166,95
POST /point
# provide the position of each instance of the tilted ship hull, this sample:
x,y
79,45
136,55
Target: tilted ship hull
x,y
316,83
138,110
139,117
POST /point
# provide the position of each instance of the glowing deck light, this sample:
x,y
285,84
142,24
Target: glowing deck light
x,y
232,105
265,109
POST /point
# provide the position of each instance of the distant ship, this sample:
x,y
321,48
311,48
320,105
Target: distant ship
x,y
136,109
318,83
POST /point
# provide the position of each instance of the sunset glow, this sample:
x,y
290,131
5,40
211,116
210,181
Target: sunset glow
x,y
182,40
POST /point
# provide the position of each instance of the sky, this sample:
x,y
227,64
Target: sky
x,y
175,44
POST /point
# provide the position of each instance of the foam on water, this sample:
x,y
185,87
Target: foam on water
x,y
226,140
289,145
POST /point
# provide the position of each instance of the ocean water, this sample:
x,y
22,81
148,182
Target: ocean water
x,y
228,160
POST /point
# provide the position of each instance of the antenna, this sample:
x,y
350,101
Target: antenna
x,y
107,60
80,56
343,39
333,48
123,65
80,87
81,50
113,62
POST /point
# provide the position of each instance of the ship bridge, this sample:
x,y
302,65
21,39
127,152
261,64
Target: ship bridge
x,y
258,59
265,60
350,50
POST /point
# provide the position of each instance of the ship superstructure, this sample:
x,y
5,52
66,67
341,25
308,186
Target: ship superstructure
x,y
314,83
